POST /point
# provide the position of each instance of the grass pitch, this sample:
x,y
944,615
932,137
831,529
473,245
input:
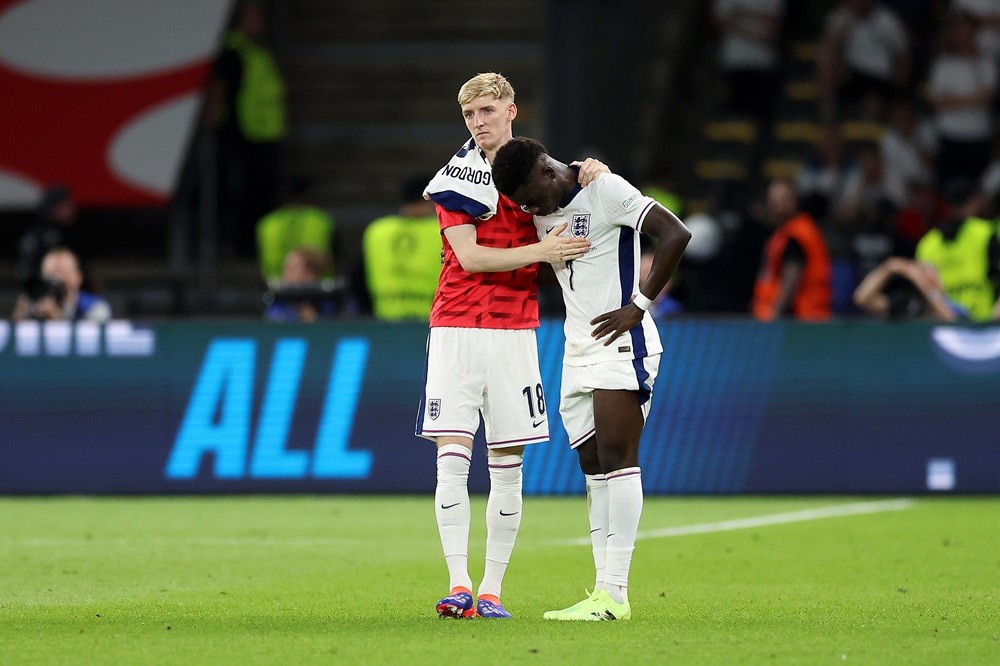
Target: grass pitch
x,y
262,580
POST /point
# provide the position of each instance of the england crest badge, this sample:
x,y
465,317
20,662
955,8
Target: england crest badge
x,y
434,408
580,226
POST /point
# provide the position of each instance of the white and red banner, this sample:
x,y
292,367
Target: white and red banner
x,y
101,95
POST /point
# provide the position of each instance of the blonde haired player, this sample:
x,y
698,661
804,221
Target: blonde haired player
x,y
482,358
612,346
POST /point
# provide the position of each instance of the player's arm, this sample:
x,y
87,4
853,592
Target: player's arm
x,y
476,258
673,238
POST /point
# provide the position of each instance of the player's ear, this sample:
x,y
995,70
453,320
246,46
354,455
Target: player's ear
x,y
511,112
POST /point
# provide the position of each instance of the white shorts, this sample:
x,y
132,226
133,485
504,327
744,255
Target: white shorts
x,y
493,372
580,381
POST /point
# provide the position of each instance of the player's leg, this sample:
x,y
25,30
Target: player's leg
x,y
597,506
619,419
577,411
514,415
450,416
619,416
453,514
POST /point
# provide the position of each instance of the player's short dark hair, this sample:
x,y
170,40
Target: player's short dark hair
x,y
514,162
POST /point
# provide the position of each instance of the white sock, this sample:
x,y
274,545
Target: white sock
x,y
451,507
624,509
503,519
597,511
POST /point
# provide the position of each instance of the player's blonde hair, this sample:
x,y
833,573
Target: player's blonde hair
x,y
488,83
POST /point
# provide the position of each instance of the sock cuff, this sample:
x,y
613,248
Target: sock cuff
x,y
595,480
504,462
623,473
456,451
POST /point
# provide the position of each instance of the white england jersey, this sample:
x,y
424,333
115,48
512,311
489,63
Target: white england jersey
x,y
609,213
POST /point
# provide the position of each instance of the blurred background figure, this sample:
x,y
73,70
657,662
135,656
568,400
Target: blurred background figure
x,y
245,104
921,213
987,16
663,188
54,227
297,223
57,294
901,288
664,305
863,61
401,258
302,295
749,55
961,87
824,177
796,271
966,252
905,147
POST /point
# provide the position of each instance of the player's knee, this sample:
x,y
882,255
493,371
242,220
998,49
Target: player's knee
x,y
590,462
618,455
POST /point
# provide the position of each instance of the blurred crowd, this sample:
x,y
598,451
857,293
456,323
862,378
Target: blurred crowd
x,y
895,219
899,221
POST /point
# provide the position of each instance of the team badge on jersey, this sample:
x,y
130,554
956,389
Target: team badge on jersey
x,y
434,408
581,225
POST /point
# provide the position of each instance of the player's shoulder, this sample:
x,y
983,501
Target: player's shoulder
x,y
610,188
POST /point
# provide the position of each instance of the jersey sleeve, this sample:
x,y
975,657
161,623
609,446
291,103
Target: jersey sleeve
x,y
623,205
450,218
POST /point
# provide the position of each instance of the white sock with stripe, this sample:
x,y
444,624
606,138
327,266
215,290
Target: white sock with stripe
x,y
597,512
624,510
451,508
503,519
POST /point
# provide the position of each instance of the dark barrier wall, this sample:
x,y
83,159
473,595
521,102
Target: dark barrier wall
x,y
738,407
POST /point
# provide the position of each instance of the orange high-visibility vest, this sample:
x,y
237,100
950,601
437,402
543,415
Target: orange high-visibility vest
x,y
812,300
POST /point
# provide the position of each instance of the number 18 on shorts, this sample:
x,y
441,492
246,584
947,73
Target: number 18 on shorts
x,y
489,371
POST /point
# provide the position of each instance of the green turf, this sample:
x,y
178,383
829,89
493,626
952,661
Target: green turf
x,y
353,580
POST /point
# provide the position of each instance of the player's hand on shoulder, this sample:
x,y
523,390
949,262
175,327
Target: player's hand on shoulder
x,y
555,249
590,169
616,323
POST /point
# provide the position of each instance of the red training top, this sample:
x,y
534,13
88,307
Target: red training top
x,y
506,300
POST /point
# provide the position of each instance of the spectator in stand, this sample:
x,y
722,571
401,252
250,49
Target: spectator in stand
x,y
245,105
301,295
920,215
905,148
863,60
824,177
863,216
401,257
748,55
796,273
901,288
987,16
298,223
864,192
54,227
961,88
58,294
966,252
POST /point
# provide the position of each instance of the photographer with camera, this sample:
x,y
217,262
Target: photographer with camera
x,y
302,295
57,295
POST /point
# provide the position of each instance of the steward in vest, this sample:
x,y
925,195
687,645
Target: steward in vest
x,y
246,106
966,252
402,258
796,271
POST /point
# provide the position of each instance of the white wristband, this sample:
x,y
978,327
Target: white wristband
x,y
642,302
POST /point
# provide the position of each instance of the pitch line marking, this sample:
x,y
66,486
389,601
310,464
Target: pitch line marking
x,y
836,511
